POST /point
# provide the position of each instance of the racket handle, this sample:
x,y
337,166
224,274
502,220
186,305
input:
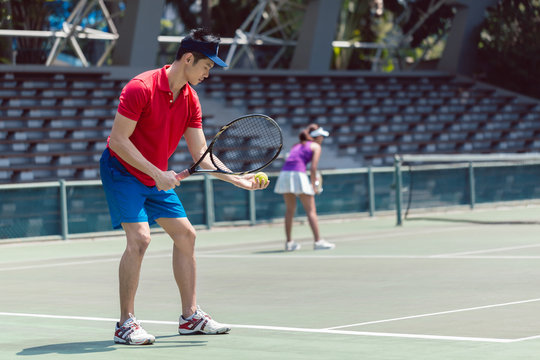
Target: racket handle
x,y
184,174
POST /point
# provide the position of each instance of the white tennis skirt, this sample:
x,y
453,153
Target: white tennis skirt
x,y
295,182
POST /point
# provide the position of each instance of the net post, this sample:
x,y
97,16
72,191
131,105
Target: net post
x,y
397,174
252,208
63,209
209,201
371,192
472,191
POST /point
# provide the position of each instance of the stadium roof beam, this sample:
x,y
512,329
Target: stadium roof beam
x,y
270,23
71,27
82,33
72,30
139,28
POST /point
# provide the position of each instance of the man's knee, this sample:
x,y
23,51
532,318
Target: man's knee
x,y
187,237
184,240
138,241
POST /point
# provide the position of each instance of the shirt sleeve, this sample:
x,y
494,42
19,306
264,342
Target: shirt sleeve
x,y
195,118
133,99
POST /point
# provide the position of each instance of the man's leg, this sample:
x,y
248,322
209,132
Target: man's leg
x,y
138,239
193,319
184,264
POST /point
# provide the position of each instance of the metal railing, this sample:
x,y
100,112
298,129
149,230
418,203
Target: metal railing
x,y
67,209
444,181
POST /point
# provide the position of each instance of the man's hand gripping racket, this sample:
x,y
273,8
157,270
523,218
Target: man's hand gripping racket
x,y
245,145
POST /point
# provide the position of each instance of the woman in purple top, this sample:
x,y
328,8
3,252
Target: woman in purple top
x,y
293,181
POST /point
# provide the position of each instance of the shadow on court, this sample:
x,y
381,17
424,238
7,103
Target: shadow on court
x,y
102,347
473,221
269,252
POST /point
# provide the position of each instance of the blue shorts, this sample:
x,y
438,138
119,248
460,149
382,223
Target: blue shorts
x,y
131,201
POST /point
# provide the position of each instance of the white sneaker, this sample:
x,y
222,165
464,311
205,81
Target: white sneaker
x,y
323,245
201,323
292,246
131,333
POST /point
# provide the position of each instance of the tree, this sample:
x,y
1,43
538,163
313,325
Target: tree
x,y
31,15
355,25
401,29
221,17
5,23
509,46
224,17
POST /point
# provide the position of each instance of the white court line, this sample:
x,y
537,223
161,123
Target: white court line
x,y
201,253
325,256
82,262
358,237
210,253
488,250
281,328
287,257
493,257
527,338
435,313
367,257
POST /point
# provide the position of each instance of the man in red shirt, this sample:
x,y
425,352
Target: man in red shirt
x,y
156,109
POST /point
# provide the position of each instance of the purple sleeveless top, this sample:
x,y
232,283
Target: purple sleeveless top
x,y
299,157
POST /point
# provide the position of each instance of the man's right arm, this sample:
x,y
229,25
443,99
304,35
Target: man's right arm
x,y
120,143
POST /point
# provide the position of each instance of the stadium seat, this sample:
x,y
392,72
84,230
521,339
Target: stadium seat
x,y
373,115
55,123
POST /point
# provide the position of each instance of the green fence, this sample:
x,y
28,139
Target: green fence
x,y
469,183
67,208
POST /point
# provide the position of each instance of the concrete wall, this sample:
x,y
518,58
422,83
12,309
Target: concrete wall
x,y
139,29
314,49
459,55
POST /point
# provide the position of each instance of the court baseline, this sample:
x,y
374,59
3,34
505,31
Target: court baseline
x,y
333,330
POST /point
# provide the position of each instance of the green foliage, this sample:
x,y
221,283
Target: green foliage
x,y
436,23
226,15
403,23
5,43
355,24
509,46
223,17
26,15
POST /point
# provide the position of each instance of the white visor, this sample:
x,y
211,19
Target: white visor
x,y
319,132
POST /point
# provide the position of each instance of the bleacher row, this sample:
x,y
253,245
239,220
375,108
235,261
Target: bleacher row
x,y
372,117
55,124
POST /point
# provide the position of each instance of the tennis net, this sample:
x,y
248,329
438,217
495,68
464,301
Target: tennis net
x,y
426,183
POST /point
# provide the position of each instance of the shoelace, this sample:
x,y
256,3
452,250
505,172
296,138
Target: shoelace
x,y
135,325
202,313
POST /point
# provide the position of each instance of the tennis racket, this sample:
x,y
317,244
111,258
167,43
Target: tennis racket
x,y
245,145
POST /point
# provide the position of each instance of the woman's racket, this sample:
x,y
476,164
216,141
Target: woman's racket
x,y
245,145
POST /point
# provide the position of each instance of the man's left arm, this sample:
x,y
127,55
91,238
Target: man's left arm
x,y
196,143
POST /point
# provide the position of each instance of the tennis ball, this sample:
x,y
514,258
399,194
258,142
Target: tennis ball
x,y
262,177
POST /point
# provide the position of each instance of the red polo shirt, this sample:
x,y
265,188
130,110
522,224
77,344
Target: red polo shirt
x,y
148,100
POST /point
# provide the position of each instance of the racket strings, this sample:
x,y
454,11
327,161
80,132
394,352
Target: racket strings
x,y
248,144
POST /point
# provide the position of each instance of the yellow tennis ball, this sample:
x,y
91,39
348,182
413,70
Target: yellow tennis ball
x,y
262,177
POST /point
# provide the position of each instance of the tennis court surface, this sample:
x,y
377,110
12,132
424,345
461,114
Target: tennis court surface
x,y
437,289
